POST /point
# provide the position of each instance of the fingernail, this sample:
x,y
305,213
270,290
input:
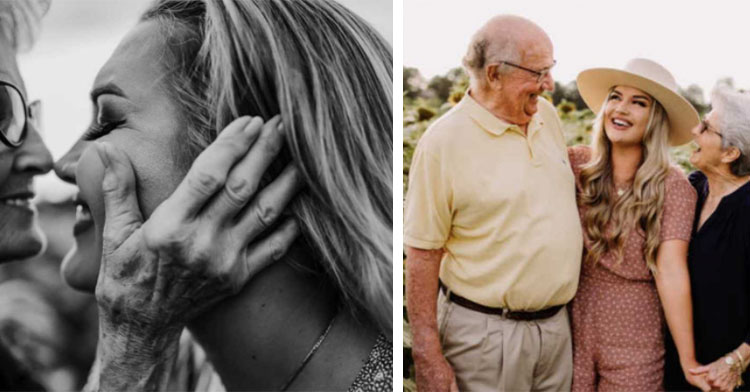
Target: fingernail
x,y
249,128
102,150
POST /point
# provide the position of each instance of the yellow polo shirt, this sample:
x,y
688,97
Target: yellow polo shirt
x,y
501,204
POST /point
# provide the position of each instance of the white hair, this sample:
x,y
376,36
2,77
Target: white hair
x,y
20,21
484,50
733,119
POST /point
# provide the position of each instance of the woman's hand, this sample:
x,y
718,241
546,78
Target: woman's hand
x,y
198,247
697,380
719,374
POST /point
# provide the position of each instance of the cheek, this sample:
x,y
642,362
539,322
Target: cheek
x,y
6,162
156,173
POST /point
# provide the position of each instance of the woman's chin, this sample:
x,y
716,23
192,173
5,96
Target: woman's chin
x,y
696,161
76,273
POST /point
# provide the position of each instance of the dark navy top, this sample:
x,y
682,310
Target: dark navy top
x,y
719,264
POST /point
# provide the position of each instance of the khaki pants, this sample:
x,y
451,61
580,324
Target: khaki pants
x,y
492,353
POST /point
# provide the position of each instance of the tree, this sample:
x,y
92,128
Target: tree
x,y
694,94
440,86
411,83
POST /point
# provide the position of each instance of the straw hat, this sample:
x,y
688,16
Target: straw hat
x,y
646,75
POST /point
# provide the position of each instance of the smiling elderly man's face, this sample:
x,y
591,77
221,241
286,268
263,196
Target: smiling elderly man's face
x,y
515,91
20,236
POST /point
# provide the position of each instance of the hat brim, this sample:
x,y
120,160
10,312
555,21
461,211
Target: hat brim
x,y
594,85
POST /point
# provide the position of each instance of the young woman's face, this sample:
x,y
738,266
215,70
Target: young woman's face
x,y
626,115
133,112
20,236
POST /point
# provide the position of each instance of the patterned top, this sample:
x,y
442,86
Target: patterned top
x,y
676,223
377,374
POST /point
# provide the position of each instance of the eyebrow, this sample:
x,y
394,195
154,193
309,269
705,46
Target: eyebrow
x,y
109,88
646,97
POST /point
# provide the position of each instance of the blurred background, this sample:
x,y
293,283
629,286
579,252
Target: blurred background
x,y
697,42
47,325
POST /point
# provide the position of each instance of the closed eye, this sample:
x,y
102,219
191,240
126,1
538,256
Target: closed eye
x,y
97,130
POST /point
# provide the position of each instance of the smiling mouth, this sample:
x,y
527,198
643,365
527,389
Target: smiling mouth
x,y
621,124
20,200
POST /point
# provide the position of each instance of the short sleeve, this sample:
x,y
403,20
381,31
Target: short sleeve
x,y
578,156
679,207
427,210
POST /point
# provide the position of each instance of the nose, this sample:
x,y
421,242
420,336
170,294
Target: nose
x,y
33,156
65,167
696,130
548,82
621,107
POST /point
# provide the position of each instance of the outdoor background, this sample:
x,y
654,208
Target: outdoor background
x,y
49,326
700,44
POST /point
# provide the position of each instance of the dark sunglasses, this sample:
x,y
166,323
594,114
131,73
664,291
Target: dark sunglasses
x,y
15,115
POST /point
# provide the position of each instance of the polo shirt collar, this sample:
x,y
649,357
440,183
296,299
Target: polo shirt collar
x,y
490,123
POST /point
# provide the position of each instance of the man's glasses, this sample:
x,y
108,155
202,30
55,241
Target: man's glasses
x,y
15,115
705,127
540,75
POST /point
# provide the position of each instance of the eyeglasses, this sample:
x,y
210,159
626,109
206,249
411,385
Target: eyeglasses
x,y
540,75
705,127
15,115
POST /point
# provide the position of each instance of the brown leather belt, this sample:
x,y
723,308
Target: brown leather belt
x,y
513,315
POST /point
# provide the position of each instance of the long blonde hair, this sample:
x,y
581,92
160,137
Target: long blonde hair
x,y
330,76
610,219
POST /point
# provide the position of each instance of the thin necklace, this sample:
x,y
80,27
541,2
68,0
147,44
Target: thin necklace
x,y
309,355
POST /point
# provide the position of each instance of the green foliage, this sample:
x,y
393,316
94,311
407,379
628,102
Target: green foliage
x,y
424,113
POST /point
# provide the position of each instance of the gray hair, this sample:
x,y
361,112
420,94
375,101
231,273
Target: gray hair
x,y
733,120
20,21
483,51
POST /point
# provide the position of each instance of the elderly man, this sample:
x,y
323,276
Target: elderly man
x,y
491,220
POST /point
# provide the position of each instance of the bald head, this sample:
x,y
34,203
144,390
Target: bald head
x,y
504,38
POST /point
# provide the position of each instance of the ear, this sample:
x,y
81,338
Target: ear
x,y
730,154
492,75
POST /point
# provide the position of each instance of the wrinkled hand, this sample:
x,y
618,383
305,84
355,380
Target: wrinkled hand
x,y
436,375
719,375
198,247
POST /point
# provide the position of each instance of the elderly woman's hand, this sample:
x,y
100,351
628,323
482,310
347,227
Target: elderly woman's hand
x,y
198,247
720,375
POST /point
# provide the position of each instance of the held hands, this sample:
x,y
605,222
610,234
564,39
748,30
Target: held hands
x,y
200,245
720,375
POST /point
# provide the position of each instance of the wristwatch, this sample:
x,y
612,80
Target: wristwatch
x,y
733,364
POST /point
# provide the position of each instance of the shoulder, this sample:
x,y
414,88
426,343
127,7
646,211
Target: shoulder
x,y
546,107
579,155
548,114
677,186
697,179
445,130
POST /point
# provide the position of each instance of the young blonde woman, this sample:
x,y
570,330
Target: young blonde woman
x,y
636,212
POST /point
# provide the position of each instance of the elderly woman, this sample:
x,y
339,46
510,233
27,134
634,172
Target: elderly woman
x,y
719,253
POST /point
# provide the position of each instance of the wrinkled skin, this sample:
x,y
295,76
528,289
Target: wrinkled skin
x,y
193,251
